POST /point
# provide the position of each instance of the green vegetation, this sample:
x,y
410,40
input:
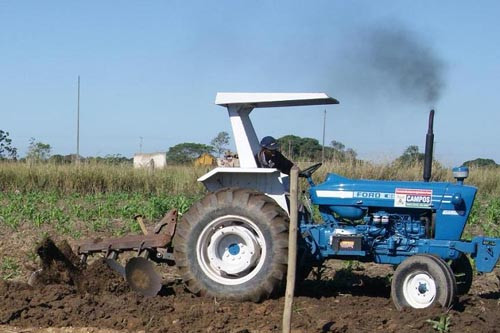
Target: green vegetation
x,y
90,197
115,159
98,178
442,325
220,143
410,156
481,162
185,153
309,149
38,151
484,218
112,212
7,151
75,200
9,268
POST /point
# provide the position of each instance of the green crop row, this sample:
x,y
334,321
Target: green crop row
x,y
484,218
77,213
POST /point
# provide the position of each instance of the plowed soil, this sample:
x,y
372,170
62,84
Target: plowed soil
x,y
343,299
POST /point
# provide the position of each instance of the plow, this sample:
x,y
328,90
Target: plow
x,y
233,243
154,246
138,272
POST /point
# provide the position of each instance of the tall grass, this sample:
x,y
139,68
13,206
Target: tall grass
x,y
173,180
95,178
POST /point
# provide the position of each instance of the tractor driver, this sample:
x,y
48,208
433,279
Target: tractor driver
x,y
269,156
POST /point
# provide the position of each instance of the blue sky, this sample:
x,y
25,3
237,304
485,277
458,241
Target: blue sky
x,y
151,69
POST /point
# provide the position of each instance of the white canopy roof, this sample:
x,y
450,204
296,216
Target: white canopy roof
x,y
266,100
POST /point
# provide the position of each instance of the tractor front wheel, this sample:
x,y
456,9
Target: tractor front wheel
x,y
422,281
233,244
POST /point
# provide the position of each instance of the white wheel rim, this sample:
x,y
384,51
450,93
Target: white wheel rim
x,y
419,290
231,250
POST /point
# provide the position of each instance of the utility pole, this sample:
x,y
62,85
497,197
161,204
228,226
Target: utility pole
x,y
140,144
78,125
323,148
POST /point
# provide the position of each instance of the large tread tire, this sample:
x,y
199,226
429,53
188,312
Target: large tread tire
x,y
462,269
422,281
267,224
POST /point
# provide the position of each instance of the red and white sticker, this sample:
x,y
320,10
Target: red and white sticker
x,y
417,198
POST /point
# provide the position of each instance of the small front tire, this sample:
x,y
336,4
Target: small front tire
x,y
421,281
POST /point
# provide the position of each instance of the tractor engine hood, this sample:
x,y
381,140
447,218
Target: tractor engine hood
x,y
338,190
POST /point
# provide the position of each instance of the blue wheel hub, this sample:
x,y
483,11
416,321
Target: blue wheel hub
x,y
234,249
422,288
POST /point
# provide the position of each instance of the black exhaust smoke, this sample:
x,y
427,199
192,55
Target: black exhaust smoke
x,y
429,145
388,60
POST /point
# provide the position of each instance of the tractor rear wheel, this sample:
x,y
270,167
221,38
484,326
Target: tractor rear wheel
x,y
233,244
463,272
422,281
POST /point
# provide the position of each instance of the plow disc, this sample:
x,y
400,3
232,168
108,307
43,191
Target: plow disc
x,y
141,276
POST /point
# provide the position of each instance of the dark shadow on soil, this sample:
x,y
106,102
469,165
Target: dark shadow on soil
x,y
491,295
346,282
166,290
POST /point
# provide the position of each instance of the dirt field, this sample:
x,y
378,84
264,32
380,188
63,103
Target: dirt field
x,y
345,299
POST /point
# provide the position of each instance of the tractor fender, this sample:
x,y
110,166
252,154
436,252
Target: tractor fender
x,y
268,181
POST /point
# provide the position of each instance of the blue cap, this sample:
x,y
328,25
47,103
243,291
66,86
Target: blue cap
x,y
270,143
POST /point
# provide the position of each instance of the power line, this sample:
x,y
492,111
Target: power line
x,y
78,125
323,147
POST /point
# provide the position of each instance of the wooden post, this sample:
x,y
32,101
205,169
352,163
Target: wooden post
x,y
139,220
292,249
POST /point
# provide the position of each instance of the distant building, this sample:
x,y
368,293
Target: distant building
x,y
150,161
205,160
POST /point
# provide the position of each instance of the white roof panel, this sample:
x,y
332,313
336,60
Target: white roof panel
x,y
267,100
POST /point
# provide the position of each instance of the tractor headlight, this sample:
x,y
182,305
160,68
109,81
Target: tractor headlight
x,y
460,173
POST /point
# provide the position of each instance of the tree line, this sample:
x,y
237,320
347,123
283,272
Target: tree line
x,y
296,148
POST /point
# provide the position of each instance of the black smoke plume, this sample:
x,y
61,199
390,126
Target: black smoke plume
x,y
395,60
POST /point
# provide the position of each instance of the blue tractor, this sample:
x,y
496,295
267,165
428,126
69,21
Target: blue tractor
x,y
233,243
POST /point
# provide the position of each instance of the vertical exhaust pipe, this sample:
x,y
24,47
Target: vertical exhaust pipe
x,y
429,145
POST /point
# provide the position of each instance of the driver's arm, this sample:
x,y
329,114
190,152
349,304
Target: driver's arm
x,y
282,163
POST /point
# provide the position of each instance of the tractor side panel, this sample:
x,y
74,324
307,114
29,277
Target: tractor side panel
x,y
451,217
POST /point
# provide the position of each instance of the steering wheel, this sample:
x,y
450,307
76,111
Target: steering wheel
x,y
307,172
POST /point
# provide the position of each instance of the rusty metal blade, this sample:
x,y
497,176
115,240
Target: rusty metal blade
x,y
141,277
115,265
126,243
